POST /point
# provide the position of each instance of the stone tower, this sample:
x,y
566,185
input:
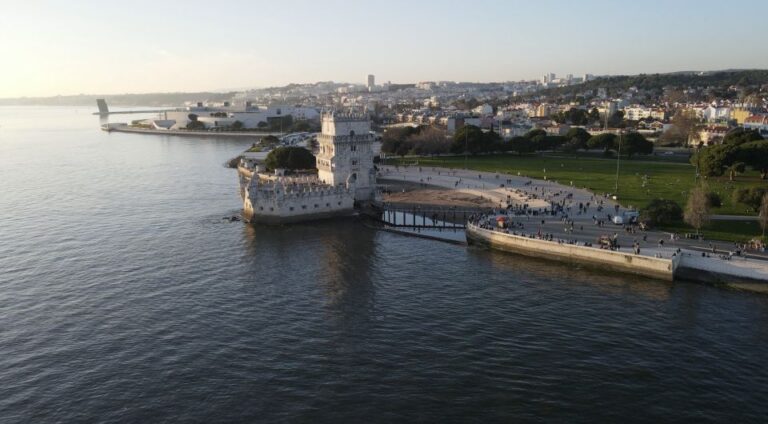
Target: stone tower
x,y
345,155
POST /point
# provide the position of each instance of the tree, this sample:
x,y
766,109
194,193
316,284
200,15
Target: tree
x,y
469,139
635,143
763,217
577,138
429,141
262,125
605,141
270,140
751,197
617,119
548,142
492,141
535,133
683,129
714,160
697,208
755,155
660,211
237,125
594,115
290,158
740,136
302,126
521,145
714,200
195,125
397,140
578,116
734,169
573,115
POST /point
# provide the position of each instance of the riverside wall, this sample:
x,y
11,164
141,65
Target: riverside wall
x,y
192,133
647,266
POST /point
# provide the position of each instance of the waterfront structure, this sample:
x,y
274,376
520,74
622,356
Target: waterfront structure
x,y
248,114
102,105
346,177
680,264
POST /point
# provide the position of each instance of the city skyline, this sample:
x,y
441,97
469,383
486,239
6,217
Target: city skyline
x,y
90,48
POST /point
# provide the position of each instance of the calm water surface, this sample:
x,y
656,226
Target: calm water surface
x,y
124,297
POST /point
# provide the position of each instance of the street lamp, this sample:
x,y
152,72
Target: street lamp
x,y
466,144
618,158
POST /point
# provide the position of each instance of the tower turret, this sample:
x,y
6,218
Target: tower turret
x,y
345,156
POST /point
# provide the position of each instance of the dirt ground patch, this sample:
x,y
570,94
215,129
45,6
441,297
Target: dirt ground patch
x,y
438,197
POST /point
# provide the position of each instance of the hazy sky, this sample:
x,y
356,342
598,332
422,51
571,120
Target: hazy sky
x,y
107,47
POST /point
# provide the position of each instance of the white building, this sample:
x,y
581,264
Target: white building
x,y
249,115
715,113
636,113
483,110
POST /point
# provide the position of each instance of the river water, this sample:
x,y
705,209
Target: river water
x,y
125,297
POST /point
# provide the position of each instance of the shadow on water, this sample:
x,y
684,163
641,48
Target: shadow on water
x,y
334,254
547,272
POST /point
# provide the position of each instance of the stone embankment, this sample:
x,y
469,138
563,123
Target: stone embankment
x,y
648,266
682,264
188,133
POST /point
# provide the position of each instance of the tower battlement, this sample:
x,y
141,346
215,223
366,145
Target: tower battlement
x,y
337,116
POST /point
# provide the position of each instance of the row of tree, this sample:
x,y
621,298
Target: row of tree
x,y
470,139
740,149
422,140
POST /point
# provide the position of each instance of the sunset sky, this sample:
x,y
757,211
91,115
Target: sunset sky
x,y
96,47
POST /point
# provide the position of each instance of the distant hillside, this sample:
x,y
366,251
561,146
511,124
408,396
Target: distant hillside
x,y
145,99
659,81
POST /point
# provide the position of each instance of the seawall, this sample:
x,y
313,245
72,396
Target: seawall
x,y
647,266
191,133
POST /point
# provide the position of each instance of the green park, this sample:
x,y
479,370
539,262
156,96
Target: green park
x,y
732,187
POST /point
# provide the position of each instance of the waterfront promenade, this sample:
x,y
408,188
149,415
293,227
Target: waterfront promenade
x,y
580,218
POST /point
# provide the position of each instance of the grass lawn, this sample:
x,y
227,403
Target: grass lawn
x,y
640,179
740,231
